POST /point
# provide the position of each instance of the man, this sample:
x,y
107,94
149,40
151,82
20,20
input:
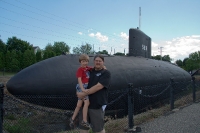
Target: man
x,y
97,90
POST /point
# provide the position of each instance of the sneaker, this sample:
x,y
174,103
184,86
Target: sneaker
x,y
71,123
85,124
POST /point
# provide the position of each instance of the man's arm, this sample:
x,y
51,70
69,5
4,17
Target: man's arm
x,y
104,82
92,90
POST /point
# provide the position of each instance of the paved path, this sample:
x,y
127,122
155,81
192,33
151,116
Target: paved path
x,y
185,120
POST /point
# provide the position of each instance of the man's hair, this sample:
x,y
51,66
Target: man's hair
x,y
100,56
83,57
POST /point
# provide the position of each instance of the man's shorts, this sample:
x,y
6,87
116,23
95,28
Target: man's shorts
x,y
95,118
78,89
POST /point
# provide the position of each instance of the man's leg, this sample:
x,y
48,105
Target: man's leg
x,y
97,120
103,131
84,131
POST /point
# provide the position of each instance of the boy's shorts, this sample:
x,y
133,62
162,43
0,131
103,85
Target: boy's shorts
x,y
78,89
95,118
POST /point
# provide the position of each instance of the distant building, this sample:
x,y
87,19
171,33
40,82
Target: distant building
x,y
36,48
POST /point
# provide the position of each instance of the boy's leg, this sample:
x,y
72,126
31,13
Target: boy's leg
x,y
83,129
78,106
85,109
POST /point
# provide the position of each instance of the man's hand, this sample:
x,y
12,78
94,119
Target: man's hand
x,y
86,91
81,95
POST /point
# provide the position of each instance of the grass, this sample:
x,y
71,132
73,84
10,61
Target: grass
x,y
10,117
74,131
7,73
20,126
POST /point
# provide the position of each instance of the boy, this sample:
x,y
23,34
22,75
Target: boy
x,y
83,77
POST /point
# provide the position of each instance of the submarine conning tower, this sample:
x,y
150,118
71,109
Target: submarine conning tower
x,y
139,43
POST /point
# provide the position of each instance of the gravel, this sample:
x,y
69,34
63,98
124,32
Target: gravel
x,y
185,120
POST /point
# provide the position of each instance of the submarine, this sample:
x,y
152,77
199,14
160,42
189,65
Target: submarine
x,y
52,82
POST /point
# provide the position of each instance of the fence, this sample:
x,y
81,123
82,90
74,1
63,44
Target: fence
x,y
8,72
126,109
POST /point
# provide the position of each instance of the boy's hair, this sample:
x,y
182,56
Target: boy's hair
x,y
83,57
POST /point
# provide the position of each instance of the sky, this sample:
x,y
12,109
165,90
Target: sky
x,y
173,25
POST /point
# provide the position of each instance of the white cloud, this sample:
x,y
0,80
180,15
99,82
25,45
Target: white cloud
x,y
153,44
124,36
80,33
154,49
91,35
168,42
196,36
180,47
99,36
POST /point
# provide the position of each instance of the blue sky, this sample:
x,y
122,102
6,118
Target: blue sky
x,y
171,24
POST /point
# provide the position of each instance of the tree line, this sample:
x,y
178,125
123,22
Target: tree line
x,y
17,54
190,63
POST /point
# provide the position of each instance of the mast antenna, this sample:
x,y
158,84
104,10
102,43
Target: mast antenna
x,y
139,17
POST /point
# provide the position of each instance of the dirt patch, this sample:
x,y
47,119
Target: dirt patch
x,y
4,80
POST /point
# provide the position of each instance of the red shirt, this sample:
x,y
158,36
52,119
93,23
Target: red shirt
x,y
84,73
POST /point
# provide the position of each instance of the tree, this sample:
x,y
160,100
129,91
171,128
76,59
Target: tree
x,y
17,44
20,59
14,63
76,50
54,50
179,63
184,61
166,58
28,58
120,54
103,52
193,62
2,46
49,47
38,55
45,55
2,54
2,60
84,49
157,57
8,59
60,47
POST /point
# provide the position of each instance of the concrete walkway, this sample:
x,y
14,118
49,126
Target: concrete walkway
x,y
185,120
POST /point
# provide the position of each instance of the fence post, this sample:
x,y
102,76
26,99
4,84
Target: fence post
x,y
3,71
1,106
130,106
193,89
131,127
172,94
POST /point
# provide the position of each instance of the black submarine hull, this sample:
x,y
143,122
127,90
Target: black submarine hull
x,y
52,82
